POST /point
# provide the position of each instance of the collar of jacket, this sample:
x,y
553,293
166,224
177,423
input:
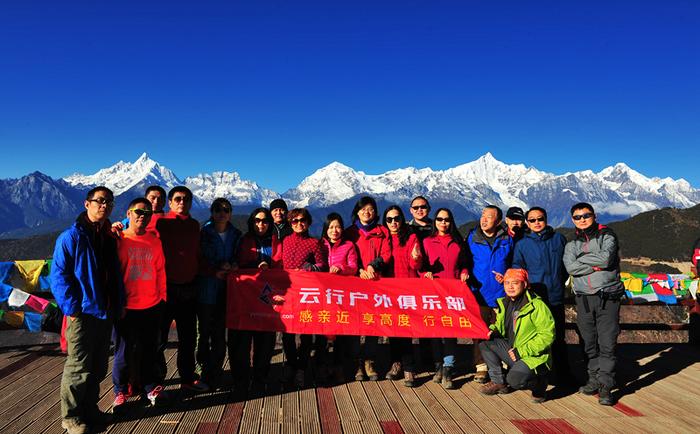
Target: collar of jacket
x,y
530,297
83,223
174,215
210,227
591,231
544,234
479,236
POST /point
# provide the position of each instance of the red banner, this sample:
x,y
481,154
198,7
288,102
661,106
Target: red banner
x,y
328,304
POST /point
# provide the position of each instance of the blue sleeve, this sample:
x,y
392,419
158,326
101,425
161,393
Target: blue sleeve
x,y
64,285
518,256
125,222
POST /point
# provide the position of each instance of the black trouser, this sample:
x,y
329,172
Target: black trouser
x,y
495,351
560,354
211,342
444,350
297,358
180,307
368,351
136,334
402,351
239,342
598,323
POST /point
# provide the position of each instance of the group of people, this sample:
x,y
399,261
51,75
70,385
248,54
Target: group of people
x,y
133,278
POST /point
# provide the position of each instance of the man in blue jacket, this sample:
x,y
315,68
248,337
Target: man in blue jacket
x,y
489,251
541,253
87,285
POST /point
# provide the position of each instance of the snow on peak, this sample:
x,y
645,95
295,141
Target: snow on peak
x,y
230,185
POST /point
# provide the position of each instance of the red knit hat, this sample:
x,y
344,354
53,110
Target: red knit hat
x,y
517,273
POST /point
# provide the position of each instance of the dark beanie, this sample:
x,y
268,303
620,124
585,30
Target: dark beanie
x,y
278,203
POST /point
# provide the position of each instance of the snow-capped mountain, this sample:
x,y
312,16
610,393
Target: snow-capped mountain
x,y
208,187
617,192
124,176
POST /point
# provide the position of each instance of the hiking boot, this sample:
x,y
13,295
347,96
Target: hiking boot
x,y
590,388
539,390
492,388
74,426
300,378
437,376
197,386
481,377
371,372
447,382
119,400
409,379
395,371
360,373
157,396
605,396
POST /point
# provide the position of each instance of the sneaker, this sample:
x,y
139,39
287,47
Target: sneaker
x,y
371,372
605,396
447,382
197,386
539,390
395,371
481,377
590,388
437,376
120,399
360,373
74,426
300,378
409,379
492,388
157,396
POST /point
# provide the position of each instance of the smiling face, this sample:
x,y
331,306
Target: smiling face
x,y
536,221
443,223
335,231
420,209
513,287
278,215
489,220
393,221
180,203
366,214
261,223
299,223
583,218
99,207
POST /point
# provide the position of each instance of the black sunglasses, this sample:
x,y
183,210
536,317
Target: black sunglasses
x,y
538,219
141,212
396,219
102,201
266,221
443,219
582,216
417,207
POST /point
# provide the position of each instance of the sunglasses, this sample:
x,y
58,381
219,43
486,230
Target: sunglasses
x,y
298,221
582,216
179,199
141,212
222,209
266,221
417,207
102,201
443,219
396,219
538,219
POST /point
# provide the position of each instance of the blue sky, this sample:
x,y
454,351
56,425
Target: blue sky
x,y
277,89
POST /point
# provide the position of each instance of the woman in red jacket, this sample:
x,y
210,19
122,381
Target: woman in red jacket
x,y
405,262
300,252
446,259
372,241
257,249
342,260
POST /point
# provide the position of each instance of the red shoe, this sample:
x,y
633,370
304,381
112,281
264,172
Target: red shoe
x,y
120,399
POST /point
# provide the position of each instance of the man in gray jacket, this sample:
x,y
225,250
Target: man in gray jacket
x,y
593,260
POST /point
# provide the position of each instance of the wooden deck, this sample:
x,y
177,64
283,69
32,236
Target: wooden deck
x,y
658,392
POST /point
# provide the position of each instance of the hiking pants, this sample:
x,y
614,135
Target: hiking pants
x,y
598,323
494,352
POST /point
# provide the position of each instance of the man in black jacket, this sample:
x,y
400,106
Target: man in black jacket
x,y
278,209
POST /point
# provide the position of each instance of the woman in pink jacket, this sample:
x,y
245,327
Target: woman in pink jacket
x,y
405,262
446,259
342,260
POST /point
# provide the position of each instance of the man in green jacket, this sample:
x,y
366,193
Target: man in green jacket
x,y
522,337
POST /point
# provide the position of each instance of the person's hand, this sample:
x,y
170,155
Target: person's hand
x,y
118,226
463,277
415,253
225,266
334,270
513,355
429,275
367,274
498,276
263,265
221,274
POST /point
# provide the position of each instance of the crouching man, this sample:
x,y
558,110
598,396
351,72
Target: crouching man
x,y
522,338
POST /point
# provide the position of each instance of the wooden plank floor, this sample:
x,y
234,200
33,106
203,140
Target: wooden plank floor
x,y
658,393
